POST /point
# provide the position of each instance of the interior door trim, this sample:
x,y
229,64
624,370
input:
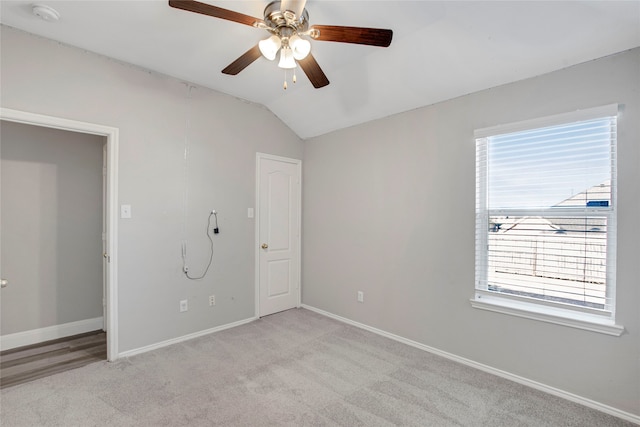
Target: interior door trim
x,y
111,135
257,243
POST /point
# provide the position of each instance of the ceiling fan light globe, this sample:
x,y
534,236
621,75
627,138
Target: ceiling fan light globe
x,y
269,47
300,47
286,59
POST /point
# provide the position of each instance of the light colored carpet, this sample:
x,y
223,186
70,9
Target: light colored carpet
x,y
295,368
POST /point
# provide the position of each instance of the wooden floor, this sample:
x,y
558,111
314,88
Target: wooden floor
x,y
23,364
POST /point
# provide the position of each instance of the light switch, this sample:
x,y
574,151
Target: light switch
x,y
125,211
250,212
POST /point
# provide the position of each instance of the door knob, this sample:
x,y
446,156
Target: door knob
x,y
4,283
265,246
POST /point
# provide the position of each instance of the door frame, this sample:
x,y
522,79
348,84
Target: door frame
x,y
298,163
111,208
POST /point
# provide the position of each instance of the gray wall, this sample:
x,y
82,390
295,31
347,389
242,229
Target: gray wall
x,y
150,110
389,210
51,227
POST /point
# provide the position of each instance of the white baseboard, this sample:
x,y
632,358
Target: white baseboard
x,y
161,344
516,378
35,336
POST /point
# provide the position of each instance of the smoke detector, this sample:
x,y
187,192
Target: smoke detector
x,y
45,12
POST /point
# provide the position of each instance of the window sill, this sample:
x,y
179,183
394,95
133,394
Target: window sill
x,y
557,316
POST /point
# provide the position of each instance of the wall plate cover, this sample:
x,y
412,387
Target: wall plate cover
x,y
125,211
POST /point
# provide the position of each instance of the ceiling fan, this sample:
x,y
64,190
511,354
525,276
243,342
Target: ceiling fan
x,y
288,23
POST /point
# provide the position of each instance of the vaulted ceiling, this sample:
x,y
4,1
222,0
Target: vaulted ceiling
x,y
440,49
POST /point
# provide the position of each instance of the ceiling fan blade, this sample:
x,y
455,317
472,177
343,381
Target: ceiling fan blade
x,y
358,35
295,6
313,71
243,61
216,12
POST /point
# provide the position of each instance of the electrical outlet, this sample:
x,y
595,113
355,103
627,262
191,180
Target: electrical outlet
x,y
184,305
360,296
212,300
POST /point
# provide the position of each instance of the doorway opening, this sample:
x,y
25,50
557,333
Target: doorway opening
x,y
110,156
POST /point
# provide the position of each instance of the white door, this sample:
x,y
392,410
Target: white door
x,y
278,233
105,249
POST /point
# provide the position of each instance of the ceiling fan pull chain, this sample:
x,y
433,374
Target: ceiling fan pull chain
x,y
284,86
294,76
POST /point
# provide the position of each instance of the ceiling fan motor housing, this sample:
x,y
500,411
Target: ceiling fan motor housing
x,y
285,23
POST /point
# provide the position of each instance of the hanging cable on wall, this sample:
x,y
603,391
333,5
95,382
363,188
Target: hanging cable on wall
x,y
185,268
212,214
185,160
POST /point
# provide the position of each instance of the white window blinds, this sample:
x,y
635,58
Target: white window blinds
x,y
545,211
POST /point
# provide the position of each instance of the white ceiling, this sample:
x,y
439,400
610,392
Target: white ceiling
x,y
440,49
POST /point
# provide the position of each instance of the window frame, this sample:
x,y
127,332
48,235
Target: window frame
x,y
596,320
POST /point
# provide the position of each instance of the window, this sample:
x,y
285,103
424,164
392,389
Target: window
x,y
546,219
